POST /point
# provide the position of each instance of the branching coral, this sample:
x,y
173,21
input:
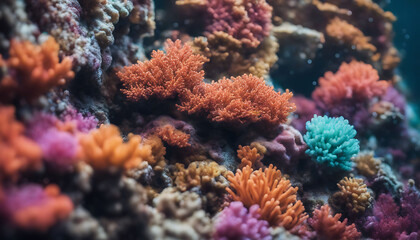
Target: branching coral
x,y
354,83
236,222
329,227
18,153
165,76
32,207
206,174
353,196
367,164
331,142
241,100
273,193
348,34
104,147
173,136
33,70
249,157
246,20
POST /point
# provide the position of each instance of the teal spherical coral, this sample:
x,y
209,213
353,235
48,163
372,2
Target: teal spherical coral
x,y
331,142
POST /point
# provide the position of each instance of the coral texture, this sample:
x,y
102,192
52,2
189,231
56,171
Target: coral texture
x,y
166,75
330,227
274,195
367,164
249,157
33,70
353,196
241,100
331,142
173,136
249,21
236,222
18,153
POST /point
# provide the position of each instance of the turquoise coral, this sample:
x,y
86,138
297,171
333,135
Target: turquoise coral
x,y
331,142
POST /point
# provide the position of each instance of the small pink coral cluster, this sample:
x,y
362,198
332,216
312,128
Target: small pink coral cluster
x,y
246,20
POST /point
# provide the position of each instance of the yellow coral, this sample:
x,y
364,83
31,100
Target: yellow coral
x,y
273,193
349,34
353,196
104,147
366,164
198,174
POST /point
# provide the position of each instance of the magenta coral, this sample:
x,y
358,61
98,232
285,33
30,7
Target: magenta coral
x,y
236,222
82,123
246,20
305,111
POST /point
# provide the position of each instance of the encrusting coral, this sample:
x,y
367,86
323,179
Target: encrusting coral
x,y
205,174
34,207
236,222
272,192
246,20
166,75
18,152
367,164
331,142
242,100
32,70
330,227
353,197
104,148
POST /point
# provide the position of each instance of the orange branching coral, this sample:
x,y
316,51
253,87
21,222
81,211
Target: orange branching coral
x,y
44,209
200,174
166,75
104,147
366,164
33,70
349,34
352,197
241,100
249,157
17,152
173,136
355,81
330,228
273,193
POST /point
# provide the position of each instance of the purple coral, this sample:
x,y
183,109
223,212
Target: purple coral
x,y
236,222
396,98
305,111
287,147
83,123
247,20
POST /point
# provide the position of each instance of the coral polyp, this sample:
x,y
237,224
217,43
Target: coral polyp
x,y
208,119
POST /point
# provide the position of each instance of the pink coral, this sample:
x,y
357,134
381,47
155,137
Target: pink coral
x,y
32,207
305,111
236,222
355,82
246,20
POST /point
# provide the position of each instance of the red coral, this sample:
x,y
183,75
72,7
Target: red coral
x,y
354,82
33,70
246,20
17,152
330,228
241,100
165,75
173,136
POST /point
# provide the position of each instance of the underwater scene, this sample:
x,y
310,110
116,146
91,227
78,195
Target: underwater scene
x,y
209,119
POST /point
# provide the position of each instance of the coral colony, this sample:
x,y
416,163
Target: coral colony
x,y
204,119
